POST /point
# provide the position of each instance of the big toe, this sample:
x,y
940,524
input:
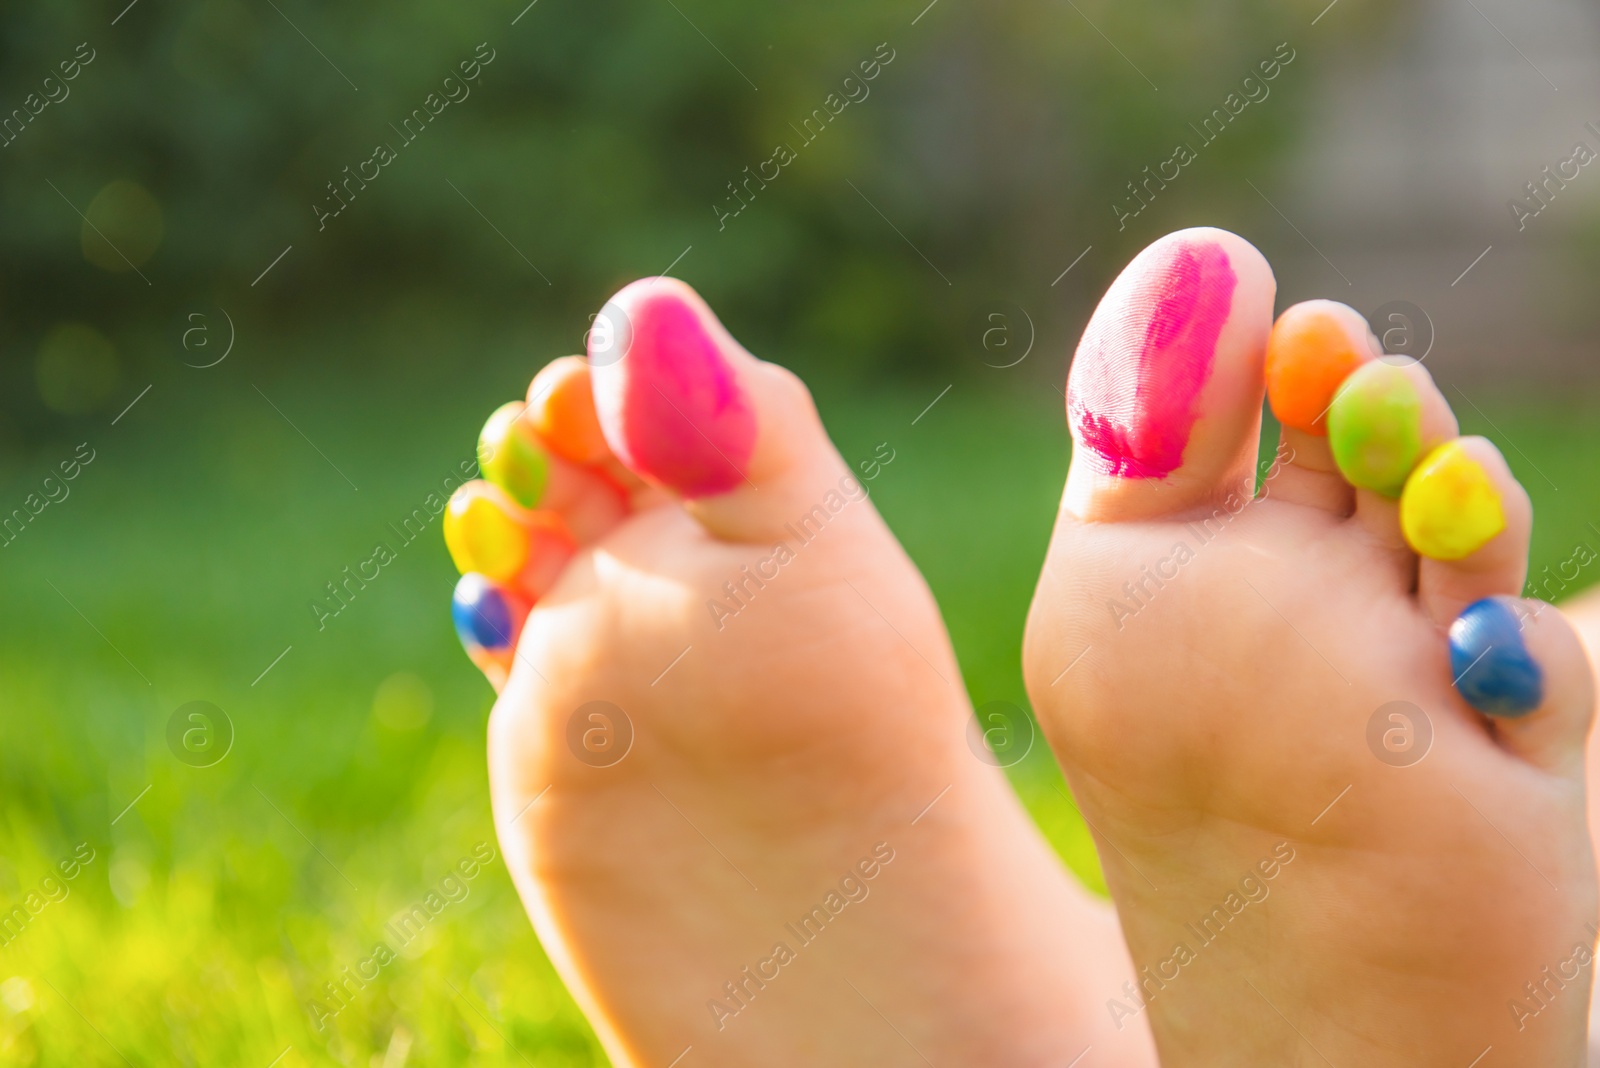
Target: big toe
x,y
685,407
1164,398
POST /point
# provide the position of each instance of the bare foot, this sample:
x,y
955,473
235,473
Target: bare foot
x,y
728,761
1335,769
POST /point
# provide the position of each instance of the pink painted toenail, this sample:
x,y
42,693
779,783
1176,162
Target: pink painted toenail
x,y
671,406
1147,353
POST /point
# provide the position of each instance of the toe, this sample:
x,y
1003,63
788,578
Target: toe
x,y
490,534
1314,347
514,456
562,414
683,406
1469,519
1521,662
561,411
1384,419
488,620
1164,397
511,457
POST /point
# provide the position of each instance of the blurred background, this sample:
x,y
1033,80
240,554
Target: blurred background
x,y
267,264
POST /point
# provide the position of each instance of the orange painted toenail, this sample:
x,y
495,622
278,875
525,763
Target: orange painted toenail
x,y
1311,351
561,410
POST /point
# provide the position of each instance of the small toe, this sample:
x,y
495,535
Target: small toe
x,y
510,456
489,533
1315,346
562,415
488,620
1521,663
1384,419
1469,519
513,455
561,411
1164,396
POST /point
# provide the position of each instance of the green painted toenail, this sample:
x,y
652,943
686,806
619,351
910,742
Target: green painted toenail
x,y
1375,428
509,457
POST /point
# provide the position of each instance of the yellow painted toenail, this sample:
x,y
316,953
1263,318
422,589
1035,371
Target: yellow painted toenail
x,y
1450,507
483,535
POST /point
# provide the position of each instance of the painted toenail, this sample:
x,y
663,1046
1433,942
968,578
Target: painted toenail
x,y
1132,399
510,458
484,614
1450,507
561,410
671,406
1375,428
483,533
1491,663
1309,353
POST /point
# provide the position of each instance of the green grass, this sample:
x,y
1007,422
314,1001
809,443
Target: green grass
x,y
216,907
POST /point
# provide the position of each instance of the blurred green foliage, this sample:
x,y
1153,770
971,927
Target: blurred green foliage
x,y
595,147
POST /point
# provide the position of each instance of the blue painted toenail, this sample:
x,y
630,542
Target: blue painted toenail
x,y
482,617
1492,668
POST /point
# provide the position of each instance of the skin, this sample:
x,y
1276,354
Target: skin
x,y
774,751
1256,886
1236,710
1584,611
